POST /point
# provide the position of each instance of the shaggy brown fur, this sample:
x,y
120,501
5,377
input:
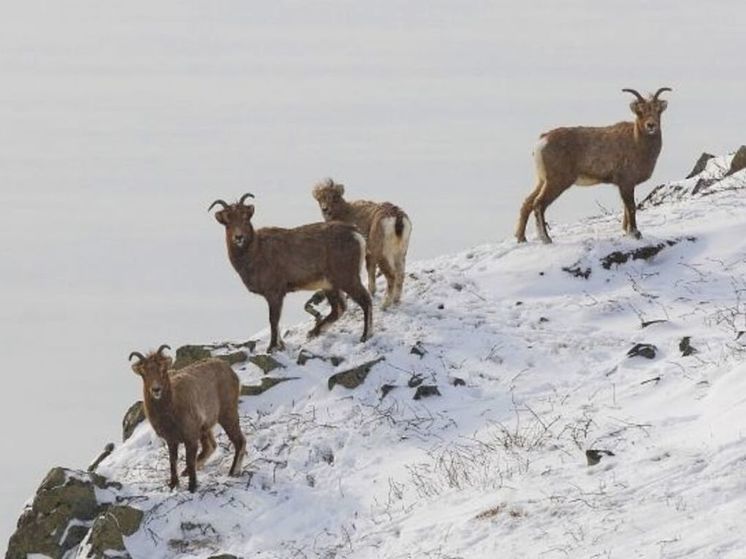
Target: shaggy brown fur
x,y
623,154
386,228
184,406
273,262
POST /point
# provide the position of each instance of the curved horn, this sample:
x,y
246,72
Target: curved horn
x,y
137,354
635,93
242,199
221,202
661,90
164,346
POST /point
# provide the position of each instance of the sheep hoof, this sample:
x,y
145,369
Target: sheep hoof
x,y
521,238
173,483
635,234
193,487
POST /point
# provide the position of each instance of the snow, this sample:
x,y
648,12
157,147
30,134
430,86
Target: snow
x,y
497,467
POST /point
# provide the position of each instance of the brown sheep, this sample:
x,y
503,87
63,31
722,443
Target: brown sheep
x,y
183,406
386,228
623,154
273,262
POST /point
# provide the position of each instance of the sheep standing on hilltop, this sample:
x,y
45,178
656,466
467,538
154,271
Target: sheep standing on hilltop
x,y
184,406
273,262
386,228
623,154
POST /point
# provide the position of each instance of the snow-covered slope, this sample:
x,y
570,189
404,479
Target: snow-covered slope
x,y
496,466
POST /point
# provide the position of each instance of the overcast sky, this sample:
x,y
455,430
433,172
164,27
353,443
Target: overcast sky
x,y
121,122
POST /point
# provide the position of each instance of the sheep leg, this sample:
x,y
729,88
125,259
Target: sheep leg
x,y
629,223
549,193
337,304
275,310
401,265
208,446
360,295
191,464
390,275
173,455
526,208
232,428
370,266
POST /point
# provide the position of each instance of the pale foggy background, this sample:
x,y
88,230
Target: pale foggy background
x,y
121,122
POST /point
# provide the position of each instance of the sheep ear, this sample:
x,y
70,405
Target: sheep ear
x,y
220,217
168,361
137,368
662,105
635,107
340,188
250,209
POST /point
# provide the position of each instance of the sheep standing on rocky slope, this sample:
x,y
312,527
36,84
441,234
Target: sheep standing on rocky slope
x,y
386,228
623,154
185,405
273,261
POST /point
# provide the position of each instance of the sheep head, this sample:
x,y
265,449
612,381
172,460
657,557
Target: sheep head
x,y
648,111
236,218
330,197
153,369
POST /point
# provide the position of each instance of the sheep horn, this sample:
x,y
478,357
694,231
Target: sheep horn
x,y
661,90
243,198
164,346
221,202
635,93
137,354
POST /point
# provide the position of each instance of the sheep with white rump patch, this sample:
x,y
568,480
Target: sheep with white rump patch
x,y
623,154
386,228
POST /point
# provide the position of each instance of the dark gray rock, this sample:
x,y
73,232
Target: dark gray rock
x,y
738,162
132,418
109,529
700,165
266,384
108,449
425,391
304,356
686,348
352,378
266,362
188,354
418,349
594,456
648,351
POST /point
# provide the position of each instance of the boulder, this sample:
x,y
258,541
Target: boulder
x,y
266,384
266,362
648,351
738,162
106,538
425,391
132,418
352,378
700,165
188,354
60,515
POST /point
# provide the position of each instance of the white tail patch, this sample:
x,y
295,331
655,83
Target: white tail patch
x,y
541,172
393,245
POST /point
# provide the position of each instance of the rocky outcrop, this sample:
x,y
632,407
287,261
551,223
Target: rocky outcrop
x,y
106,537
69,507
